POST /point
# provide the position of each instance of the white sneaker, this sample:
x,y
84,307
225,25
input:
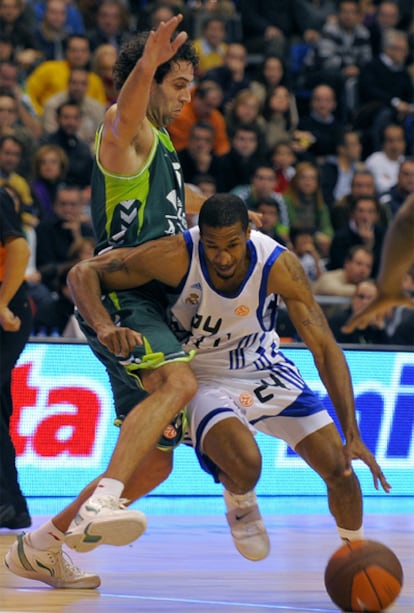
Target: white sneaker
x,y
104,521
246,525
53,567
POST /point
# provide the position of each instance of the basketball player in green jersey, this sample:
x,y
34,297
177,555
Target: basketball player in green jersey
x,y
137,194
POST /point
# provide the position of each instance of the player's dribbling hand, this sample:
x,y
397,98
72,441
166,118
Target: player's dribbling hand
x,y
355,449
120,341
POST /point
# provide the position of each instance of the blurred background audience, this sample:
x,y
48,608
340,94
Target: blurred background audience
x,y
303,108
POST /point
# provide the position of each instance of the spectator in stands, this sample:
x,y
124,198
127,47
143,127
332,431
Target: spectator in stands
x,y
55,317
269,26
386,17
207,185
271,73
269,209
10,80
343,48
303,245
11,151
245,110
68,116
103,61
74,20
281,116
283,159
396,196
262,186
225,9
386,91
50,32
385,164
198,157
211,46
13,24
343,281
231,75
50,165
240,163
375,333
204,105
306,207
363,229
15,120
52,77
147,15
91,110
6,48
337,171
160,12
321,12
57,235
319,132
111,25
362,184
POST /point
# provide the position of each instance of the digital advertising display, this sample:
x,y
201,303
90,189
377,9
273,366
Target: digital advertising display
x,y
62,425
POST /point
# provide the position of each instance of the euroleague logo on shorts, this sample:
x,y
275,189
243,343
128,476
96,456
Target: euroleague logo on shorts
x,y
242,310
170,432
246,400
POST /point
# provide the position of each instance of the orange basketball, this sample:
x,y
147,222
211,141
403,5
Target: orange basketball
x,y
363,576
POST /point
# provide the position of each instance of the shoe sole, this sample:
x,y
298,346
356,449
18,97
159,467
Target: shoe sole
x,y
107,531
82,584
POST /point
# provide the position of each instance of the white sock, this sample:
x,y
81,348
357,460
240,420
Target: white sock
x,y
351,535
108,487
47,537
237,501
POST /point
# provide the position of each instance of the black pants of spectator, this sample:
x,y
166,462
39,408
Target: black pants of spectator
x,y
11,346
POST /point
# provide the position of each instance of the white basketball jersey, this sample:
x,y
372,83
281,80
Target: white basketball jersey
x,y
230,333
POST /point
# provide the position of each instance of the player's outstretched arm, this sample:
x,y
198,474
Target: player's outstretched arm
x,y
397,257
133,100
288,279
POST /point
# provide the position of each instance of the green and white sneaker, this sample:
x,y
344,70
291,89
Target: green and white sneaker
x,y
52,566
104,520
246,524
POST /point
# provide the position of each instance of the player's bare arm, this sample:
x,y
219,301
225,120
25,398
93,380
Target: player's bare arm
x,y
288,279
165,260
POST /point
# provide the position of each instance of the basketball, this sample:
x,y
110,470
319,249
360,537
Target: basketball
x,y
363,576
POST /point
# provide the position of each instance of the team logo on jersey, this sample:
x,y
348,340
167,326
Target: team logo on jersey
x,y
246,400
242,310
192,299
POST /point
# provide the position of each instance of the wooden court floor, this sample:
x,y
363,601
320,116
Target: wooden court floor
x,y
187,563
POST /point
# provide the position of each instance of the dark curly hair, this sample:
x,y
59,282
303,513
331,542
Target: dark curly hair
x,y
133,50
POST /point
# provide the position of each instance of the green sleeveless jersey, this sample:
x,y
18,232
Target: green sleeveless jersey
x,y
128,210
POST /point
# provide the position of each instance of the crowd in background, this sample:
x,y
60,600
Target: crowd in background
x,y
303,108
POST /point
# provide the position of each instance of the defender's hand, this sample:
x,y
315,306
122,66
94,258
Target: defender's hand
x,y
120,341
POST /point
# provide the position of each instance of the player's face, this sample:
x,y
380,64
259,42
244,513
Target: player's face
x,y
225,252
168,97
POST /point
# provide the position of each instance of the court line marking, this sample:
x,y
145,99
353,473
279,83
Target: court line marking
x,y
214,602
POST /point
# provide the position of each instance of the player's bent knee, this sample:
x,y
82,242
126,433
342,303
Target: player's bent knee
x,y
182,383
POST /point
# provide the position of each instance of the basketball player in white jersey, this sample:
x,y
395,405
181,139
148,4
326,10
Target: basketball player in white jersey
x,y
229,281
